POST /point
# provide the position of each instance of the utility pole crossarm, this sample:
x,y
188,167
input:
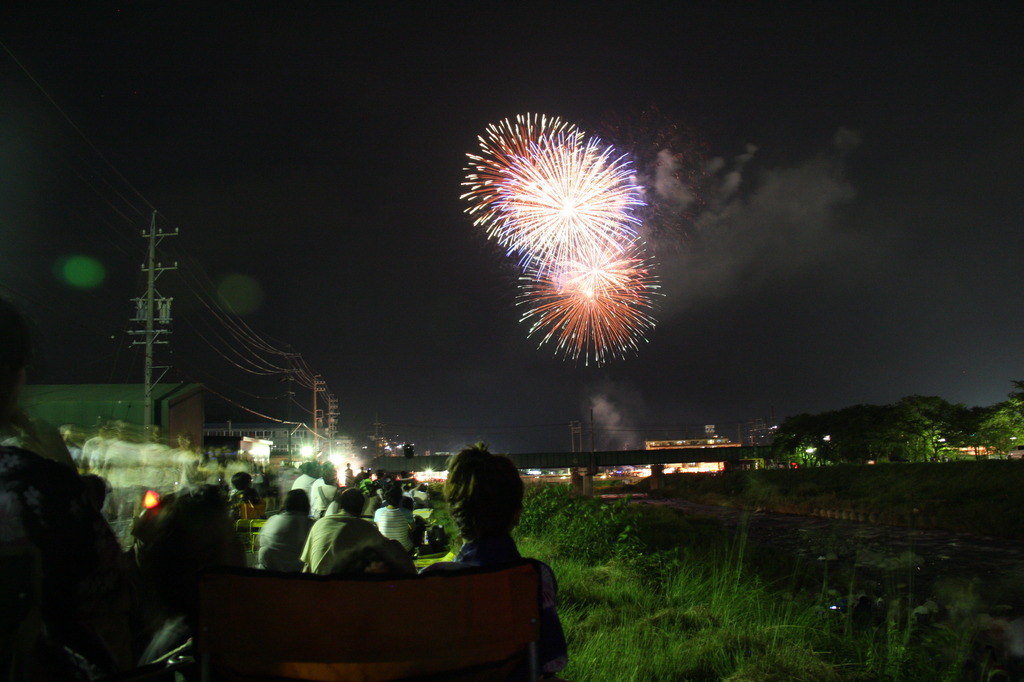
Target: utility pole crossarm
x,y
152,309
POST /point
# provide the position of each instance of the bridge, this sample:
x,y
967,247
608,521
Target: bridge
x,y
588,460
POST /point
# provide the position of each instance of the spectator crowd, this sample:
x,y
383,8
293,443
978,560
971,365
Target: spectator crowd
x,y
104,610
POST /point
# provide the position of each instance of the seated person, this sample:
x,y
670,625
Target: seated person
x,y
485,499
394,520
321,492
421,497
388,558
244,500
335,535
283,536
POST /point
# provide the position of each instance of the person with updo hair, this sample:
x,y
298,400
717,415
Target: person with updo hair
x,y
485,500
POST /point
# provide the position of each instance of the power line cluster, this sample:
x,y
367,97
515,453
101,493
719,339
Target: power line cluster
x,y
230,338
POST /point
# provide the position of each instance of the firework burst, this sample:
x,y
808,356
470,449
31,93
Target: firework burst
x,y
502,146
545,192
596,307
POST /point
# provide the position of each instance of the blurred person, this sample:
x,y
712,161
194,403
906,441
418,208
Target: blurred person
x,y
243,500
286,475
322,492
307,475
393,520
186,534
350,477
336,534
421,497
283,536
485,500
73,440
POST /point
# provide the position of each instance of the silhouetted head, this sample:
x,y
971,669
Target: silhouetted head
x,y
297,501
241,481
352,501
393,494
484,493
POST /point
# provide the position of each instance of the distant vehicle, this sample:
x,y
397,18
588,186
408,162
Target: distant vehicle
x,y
1016,452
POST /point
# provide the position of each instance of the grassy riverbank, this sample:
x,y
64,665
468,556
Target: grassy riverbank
x,y
972,497
647,593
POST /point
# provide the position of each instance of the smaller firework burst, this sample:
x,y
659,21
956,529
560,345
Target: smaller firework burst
x,y
596,306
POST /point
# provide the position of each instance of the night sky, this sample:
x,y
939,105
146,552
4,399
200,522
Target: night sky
x,y
852,232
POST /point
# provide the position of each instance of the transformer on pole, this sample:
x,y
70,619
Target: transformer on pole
x,y
153,311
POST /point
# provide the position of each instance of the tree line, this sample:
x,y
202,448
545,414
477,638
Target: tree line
x,y
914,429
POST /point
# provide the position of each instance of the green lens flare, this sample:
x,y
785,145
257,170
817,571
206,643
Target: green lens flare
x,y
83,272
240,294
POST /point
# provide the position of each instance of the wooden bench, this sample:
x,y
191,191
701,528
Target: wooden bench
x,y
478,624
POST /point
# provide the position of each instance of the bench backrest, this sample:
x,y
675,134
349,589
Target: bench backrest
x,y
257,624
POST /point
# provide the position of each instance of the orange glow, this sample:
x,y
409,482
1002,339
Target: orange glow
x,y
151,499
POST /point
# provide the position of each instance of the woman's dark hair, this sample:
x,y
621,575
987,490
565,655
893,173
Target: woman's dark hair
x,y
484,493
296,501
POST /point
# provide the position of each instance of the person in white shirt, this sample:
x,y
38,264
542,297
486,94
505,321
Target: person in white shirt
x,y
306,477
284,535
322,492
393,520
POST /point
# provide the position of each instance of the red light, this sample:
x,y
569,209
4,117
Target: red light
x,y
151,499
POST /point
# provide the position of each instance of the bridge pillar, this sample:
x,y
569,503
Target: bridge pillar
x,y
582,482
588,483
657,476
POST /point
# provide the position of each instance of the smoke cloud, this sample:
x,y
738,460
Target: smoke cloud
x,y
774,224
613,409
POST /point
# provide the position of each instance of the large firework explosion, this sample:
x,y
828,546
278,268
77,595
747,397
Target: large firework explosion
x,y
543,190
564,205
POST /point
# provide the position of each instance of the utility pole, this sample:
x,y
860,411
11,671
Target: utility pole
x,y
291,426
332,421
152,309
318,386
575,437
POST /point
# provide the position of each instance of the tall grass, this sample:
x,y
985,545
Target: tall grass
x,y
649,594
